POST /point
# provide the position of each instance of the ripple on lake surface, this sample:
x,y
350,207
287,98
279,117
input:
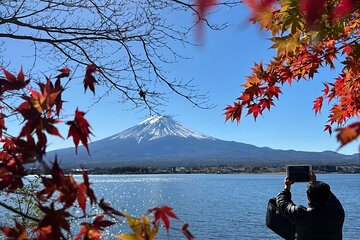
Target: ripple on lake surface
x,y
220,206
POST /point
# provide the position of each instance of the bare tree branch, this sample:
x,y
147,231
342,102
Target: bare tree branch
x,y
131,41
18,212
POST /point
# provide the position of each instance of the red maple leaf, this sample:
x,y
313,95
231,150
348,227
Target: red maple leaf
x,y
17,233
273,91
11,175
326,89
92,231
266,103
233,112
56,219
163,213
9,76
66,185
100,224
328,128
26,149
12,169
84,191
343,8
79,130
318,104
52,95
255,110
81,196
89,191
64,72
34,121
89,80
312,9
10,82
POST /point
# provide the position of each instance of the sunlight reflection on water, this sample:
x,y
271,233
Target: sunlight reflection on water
x,y
219,206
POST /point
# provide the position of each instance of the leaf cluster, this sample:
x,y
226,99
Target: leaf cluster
x,y
59,200
307,35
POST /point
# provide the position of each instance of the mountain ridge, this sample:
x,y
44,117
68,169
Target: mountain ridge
x,y
162,141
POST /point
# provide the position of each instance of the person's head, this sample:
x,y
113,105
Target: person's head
x,y
318,193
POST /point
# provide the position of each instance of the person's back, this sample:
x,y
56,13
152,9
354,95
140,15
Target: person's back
x,y
322,220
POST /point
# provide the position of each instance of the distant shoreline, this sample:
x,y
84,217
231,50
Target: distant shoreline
x,y
203,170
267,173
211,170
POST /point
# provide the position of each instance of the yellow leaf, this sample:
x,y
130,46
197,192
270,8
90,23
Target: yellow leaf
x,y
153,233
128,236
253,80
146,224
134,224
139,225
264,17
286,44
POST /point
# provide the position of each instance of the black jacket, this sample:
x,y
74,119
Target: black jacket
x,y
324,222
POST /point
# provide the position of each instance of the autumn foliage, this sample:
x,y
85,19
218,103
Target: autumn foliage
x,y
59,195
307,35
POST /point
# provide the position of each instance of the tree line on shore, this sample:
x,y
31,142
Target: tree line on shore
x,y
220,169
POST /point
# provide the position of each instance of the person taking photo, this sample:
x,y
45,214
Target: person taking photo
x,y
323,219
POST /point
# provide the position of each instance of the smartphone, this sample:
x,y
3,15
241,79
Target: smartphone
x,y
298,173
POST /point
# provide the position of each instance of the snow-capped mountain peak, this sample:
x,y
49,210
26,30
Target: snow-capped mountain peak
x,y
157,127
151,120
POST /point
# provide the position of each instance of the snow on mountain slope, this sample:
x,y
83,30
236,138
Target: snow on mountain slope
x,y
162,141
157,127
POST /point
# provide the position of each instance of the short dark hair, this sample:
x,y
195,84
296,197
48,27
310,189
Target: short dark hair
x,y
318,193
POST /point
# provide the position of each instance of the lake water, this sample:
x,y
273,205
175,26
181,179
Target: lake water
x,y
220,206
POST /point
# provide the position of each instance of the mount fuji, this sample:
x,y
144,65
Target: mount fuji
x,y
162,141
157,127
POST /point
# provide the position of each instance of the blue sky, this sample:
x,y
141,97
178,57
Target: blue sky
x,y
219,67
